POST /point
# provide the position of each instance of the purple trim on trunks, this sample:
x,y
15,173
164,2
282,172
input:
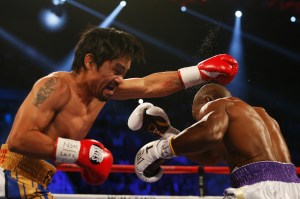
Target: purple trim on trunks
x,y
263,171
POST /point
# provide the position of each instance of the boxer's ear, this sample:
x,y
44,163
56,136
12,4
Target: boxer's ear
x,y
89,61
208,98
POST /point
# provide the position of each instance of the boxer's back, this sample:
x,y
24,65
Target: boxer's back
x,y
252,135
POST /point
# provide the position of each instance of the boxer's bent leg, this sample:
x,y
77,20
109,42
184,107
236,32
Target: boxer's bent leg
x,y
21,187
24,177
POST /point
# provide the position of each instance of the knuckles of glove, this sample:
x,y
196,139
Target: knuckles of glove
x,y
154,168
97,164
226,70
147,164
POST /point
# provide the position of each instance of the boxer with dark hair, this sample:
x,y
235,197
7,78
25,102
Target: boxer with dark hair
x,y
56,116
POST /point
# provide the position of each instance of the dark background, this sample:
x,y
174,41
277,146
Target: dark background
x,y
268,76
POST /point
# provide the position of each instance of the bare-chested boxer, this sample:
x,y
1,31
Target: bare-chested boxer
x,y
51,124
227,129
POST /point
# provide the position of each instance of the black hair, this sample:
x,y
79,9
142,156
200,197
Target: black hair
x,y
106,44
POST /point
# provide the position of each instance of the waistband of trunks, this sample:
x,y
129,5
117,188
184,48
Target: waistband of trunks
x,y
34,169
264,171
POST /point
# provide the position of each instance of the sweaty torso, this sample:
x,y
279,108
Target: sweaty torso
x,y
59,106
74,121
77,116
252,135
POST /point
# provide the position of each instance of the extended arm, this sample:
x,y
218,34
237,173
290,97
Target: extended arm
x,y
220,68
154,85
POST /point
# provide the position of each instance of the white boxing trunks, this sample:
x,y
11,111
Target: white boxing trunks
x,y
264,180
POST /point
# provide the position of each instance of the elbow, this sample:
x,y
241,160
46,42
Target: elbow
x,y
217,137
13,144
213,140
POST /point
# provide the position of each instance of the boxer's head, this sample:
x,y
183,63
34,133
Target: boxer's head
x,y
207,93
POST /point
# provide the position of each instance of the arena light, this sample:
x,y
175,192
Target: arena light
x,y
183,8
235,45
58,2
123,3
239,84
293,19
53,19
141,101
108,20
238,13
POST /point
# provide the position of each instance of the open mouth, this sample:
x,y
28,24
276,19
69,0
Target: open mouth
x,y
109,89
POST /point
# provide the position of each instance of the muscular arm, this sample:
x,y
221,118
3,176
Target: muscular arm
x,y
204,136
154,85
27,135
209,157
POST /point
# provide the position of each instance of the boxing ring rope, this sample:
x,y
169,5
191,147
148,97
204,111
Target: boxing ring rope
x,y
167,169
200,170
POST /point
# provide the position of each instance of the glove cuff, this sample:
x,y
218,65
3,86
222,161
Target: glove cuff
x,y
165,149
170,133
171,146
190,76
67,150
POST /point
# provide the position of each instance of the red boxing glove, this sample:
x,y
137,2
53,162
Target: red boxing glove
x,y
94,159
220,68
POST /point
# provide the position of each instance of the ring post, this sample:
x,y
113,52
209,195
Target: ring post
x,y
201,181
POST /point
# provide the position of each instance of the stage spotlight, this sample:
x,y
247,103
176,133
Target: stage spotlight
x,y
123,3
141,101
53,19
183,8
236,49
238,13
58,2
293,19
111,17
